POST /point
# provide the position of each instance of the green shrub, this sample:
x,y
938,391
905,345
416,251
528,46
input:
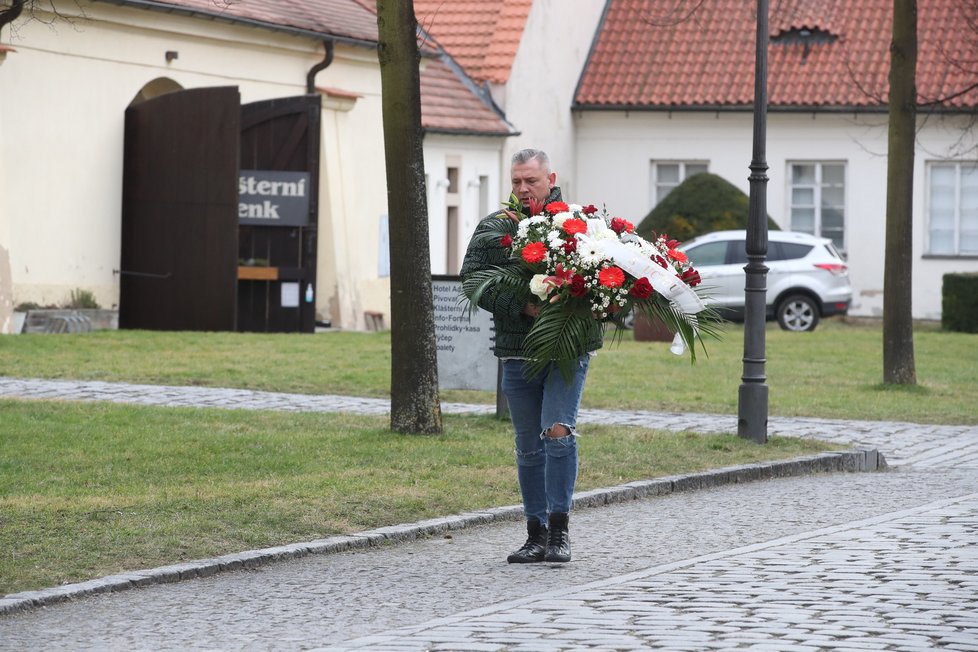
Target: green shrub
x,y
959,303
703,203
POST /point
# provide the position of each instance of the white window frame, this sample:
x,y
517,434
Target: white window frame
x,y
817,200
654,198
957,165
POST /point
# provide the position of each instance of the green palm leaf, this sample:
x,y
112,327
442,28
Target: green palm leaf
x,y
557,336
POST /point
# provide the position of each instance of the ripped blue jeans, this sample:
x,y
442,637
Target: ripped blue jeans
x,y
546,466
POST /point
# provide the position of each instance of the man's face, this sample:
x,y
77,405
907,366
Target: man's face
x,y
531,181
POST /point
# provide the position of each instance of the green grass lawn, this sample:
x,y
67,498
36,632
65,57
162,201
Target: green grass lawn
x,y
91,489
833,372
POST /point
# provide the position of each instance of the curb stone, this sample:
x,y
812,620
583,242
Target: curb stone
x,y
858,460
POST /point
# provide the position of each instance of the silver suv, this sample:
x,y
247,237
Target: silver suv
x,y
807,277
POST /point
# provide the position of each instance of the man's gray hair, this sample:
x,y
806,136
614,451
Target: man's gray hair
x,y
527,155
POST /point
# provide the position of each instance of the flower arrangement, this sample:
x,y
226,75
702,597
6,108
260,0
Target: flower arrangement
x,y
580,265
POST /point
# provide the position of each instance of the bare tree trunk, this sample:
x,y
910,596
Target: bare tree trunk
x,y
898,356
415,404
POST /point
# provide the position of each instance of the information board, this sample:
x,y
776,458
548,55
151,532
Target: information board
x,y
464,341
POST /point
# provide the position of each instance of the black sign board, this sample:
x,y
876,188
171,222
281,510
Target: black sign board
x,y
273,198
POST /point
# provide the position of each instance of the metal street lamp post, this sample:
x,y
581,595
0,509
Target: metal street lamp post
x,y
752,400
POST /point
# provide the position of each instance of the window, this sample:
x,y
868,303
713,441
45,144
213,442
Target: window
x,y
952,209
787,250
711,253
452,202
666,175
817,200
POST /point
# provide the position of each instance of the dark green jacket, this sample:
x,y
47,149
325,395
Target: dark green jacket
x,y
507,309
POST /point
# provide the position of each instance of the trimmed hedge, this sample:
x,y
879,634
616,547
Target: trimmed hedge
x,y
703,203
959,303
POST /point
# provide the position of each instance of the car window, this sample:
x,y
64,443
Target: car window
x,y
709,253
793,250
737,254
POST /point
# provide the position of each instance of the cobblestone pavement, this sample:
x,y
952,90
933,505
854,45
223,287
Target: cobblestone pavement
x,y
844,561
902,443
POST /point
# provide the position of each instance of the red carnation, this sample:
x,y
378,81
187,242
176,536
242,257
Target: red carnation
x,y
555,207
642,289
619,225
611,277
534,252
570,245
574,225
691,277
577,286
506,240
589,209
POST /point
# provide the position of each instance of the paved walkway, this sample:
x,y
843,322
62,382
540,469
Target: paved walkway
x,y
879,561
902,443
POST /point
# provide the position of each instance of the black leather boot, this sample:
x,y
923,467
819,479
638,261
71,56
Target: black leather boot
x,y
558,540
535,546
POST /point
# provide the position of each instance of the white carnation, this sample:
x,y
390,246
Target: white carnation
x,y
554,239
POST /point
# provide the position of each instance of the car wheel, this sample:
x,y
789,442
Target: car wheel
x,y
797,313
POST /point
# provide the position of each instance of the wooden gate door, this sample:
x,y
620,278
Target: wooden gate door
x,y
280,139
179,211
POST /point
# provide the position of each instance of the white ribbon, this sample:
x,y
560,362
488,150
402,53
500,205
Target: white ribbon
x,y
664,281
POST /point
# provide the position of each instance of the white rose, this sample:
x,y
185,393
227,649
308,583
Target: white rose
x,y
538,287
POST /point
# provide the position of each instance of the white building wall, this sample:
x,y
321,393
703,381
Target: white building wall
x,y
65,91
615,150
537,98
480,191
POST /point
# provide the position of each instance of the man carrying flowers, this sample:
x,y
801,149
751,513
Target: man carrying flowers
x,y
543,396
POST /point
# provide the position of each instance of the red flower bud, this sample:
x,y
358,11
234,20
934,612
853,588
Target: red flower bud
x,y
577,286
506,240
642,289
589,209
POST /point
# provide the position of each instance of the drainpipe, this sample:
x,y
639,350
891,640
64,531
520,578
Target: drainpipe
x,y
311,77
10,15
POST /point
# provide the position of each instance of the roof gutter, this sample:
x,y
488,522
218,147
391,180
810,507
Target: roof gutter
x,y
771,108
726,108
469,132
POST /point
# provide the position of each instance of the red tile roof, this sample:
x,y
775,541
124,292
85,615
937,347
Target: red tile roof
x,y
646,58
449,102
448,105
345,19
481,35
